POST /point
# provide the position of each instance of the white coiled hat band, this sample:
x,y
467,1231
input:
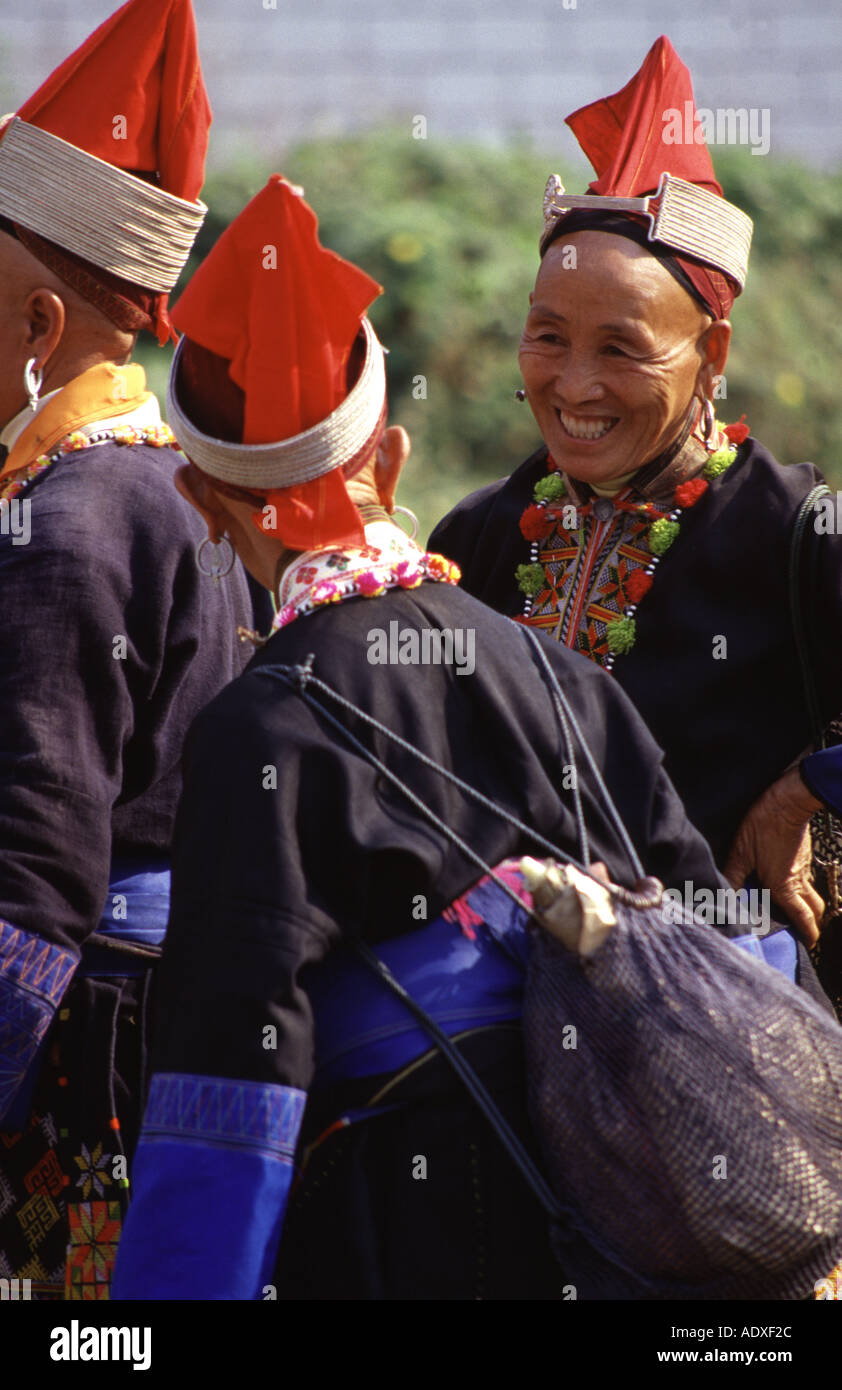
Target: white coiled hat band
x,y
687,218
93,209
336,440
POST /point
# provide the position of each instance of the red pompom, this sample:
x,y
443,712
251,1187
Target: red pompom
x,y
637,584
535,524
687,494
737,433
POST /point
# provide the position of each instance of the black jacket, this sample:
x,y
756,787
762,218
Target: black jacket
x,y
111,641
728,726
286,838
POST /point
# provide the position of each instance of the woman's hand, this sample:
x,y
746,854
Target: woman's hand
x,y
774,842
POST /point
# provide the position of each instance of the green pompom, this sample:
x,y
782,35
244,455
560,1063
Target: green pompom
x,y
718,462
549,489
530,579
662,533
620,634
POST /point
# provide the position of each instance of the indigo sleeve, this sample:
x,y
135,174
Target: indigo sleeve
x,y
211,1179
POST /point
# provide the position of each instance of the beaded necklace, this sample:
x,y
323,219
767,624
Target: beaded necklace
x,y
158,436
544,513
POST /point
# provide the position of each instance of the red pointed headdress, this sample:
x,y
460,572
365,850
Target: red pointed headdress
x,y
115,138
655,182
259,394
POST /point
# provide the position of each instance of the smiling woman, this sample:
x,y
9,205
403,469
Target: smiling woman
x,y
642,533
614,356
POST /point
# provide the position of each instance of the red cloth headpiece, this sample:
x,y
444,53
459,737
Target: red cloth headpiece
x,y
132,95
284,312
623,137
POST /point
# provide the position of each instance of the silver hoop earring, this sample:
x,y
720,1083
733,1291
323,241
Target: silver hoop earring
x,y
413,518
221,560
708,420
33,380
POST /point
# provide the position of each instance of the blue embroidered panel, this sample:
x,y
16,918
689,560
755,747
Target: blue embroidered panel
x,y
210,1182
258,1116
34,975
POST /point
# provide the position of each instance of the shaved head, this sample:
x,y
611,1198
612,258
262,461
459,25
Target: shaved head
x,y
44,318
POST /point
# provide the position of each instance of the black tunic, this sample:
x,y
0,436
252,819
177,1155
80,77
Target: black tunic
x,y
110,642
90,739
266,881
729,727
286,841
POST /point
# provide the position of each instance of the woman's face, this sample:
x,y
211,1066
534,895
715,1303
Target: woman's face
x,y
611,355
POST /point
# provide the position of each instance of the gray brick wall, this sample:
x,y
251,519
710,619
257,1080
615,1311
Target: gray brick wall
x,y
479,68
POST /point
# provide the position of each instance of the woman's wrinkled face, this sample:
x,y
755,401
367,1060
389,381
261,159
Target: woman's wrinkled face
x,y
610,355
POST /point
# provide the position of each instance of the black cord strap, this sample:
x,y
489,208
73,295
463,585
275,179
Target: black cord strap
x,y
472,1084
301,678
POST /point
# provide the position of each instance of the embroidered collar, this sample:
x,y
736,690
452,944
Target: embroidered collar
x,y
128,430
98,398
542,518
389,560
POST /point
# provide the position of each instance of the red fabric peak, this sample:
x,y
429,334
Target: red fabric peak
x,y
142,64
622,135
282,309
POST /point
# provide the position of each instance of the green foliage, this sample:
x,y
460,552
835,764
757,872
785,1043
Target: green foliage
x,y
451,231
783,370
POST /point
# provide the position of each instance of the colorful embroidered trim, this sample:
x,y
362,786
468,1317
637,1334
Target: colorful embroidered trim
x,y
546,512
212,1110
158,436
95,1229
318,578
462,912
34,975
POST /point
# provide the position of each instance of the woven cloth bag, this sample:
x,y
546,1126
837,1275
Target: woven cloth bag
x,y
693,1132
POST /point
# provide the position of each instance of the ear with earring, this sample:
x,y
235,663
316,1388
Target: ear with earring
x,y
33,380
707,424
404,511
